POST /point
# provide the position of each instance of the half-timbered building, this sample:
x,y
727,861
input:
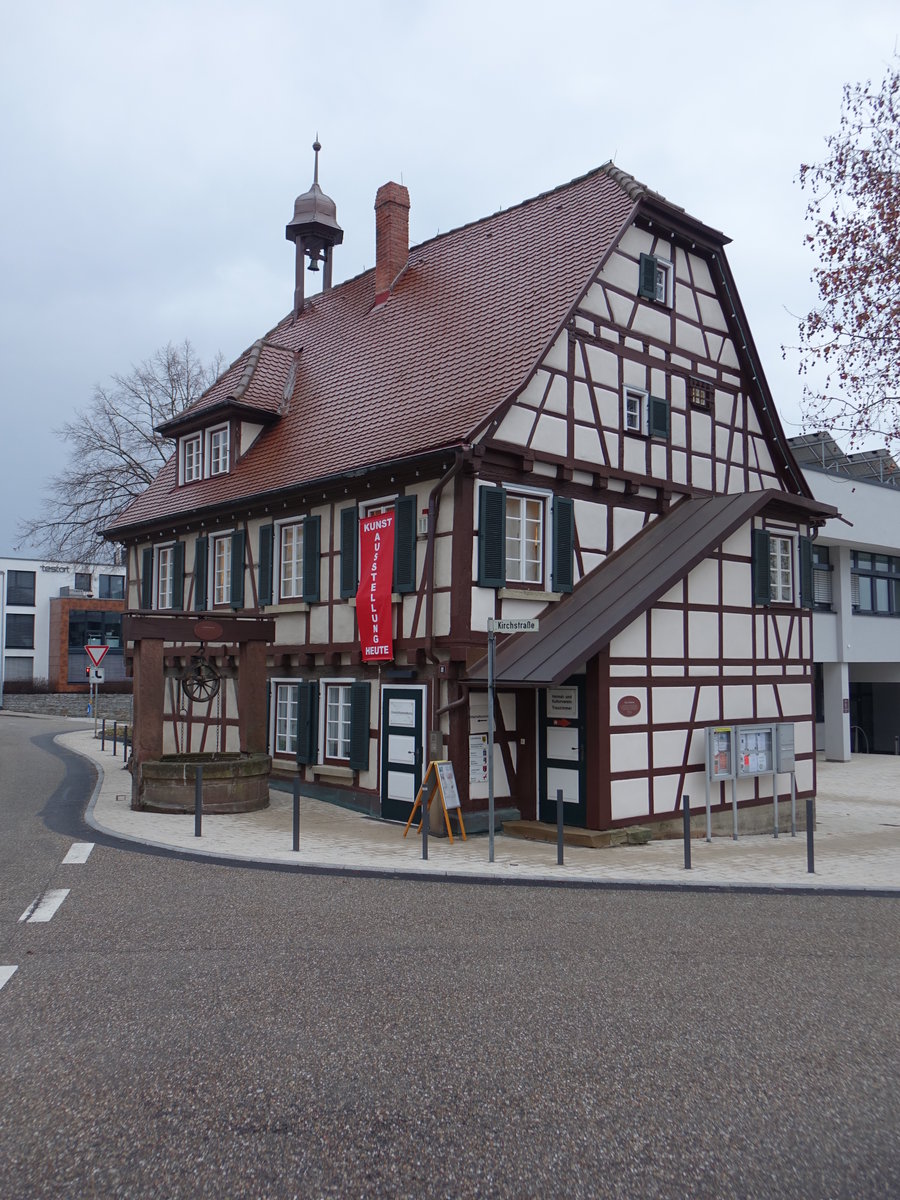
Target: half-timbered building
x,y
555,412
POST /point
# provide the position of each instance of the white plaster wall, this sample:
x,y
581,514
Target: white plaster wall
x,y
629,798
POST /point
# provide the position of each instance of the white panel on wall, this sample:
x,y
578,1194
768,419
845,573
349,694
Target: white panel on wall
x,y
723,438
290,629
708,705
668,746
667,632
582,406
796,699
736,634
689,338
442,614
652,322
728,356
482,607
701,426
703,583
604,366
632,641
677,430
738,702
711,312
622,308
702,473
803,737
595,301
679,467
627,752
635,456
517,425
721,476
672,704
551,435
557,398
620,271
766,704
627,523
714,342
665,793
737,584
700,273
629,798
344,623
657,381
703,634
658,461
685,304
587,445
804,773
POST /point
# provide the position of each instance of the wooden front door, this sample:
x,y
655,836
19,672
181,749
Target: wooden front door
x,y
402,749
562,752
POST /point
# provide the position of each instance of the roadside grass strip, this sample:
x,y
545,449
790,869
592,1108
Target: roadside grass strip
x,y
79,852
6,974
45,906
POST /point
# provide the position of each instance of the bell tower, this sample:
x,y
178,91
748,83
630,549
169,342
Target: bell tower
x,y
315,232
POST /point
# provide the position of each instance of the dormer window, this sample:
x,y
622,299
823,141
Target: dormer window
x,y
191,458
655,279
217,442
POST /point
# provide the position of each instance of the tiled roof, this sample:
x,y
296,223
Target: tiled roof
x,y
463,328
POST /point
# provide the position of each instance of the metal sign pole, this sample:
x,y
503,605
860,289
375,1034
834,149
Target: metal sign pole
x,y
490,740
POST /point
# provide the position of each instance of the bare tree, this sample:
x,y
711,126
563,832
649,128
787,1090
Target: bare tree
x,y
851,340
114,452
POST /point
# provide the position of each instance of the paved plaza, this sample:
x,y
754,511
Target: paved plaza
x,y
857,839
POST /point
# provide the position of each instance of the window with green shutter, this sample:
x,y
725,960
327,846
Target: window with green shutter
x,y
563,544
349,551
658,417
265,559
237,569
312,538
760,567
647,277
147,578
492,537
359,726
178,575
405,544
201,571
307,722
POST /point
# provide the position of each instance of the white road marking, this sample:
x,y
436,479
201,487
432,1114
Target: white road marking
x,y
45,906
6,974
79,852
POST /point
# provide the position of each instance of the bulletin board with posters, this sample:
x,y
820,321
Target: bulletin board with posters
x,y
755,750
719,753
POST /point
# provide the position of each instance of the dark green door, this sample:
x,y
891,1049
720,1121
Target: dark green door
x,y
401,750
561,752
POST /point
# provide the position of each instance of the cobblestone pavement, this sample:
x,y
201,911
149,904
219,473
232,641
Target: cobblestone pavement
x,y
857,840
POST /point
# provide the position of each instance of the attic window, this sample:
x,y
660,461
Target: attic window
x,y
700,394
217,446
655,279
190,459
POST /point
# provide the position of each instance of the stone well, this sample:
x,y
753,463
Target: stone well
x,y
232,783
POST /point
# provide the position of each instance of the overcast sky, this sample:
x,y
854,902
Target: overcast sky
x,y
151,153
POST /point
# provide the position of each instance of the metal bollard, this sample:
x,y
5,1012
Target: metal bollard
x,y
198,799
559,827
103,734
125,745
426,809
115,738
810,851
686,818
297,813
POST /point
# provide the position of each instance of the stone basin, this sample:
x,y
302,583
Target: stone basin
x,y
232,783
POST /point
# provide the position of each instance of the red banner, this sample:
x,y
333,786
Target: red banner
x,y
373,597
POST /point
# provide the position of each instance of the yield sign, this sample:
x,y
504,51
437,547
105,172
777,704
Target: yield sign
x,y
96,653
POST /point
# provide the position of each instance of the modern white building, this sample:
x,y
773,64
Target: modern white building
x,y
856,617
49,611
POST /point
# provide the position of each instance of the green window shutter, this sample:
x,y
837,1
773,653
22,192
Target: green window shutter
x,y
405,544
349,551
491,537
266,548
563,576
647,277
806,572
311,554
762,589
201,564
237,569
147,579
658,417
359,726
307,722
178,575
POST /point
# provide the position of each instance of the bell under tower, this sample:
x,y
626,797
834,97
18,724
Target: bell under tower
x,y
315,232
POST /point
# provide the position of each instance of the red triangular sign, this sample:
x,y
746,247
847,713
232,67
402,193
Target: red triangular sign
x,y
96,653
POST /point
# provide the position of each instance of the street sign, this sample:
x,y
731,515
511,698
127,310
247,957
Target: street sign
x,y
98,674
525,625
96,654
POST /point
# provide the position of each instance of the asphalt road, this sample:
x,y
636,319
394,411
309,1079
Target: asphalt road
x,y
188,1029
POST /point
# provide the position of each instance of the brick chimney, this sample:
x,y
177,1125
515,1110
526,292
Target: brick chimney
x,y
391,236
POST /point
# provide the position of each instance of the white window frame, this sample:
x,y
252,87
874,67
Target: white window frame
x,y
344,733
218,449
296,528
781,568
194,442
664,278
164,576
641,398
214,589
520,562
285,716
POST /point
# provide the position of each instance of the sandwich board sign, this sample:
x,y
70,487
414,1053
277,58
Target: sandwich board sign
x,y
96,654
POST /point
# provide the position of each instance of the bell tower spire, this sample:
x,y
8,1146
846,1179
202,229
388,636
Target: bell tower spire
x,y
314,231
